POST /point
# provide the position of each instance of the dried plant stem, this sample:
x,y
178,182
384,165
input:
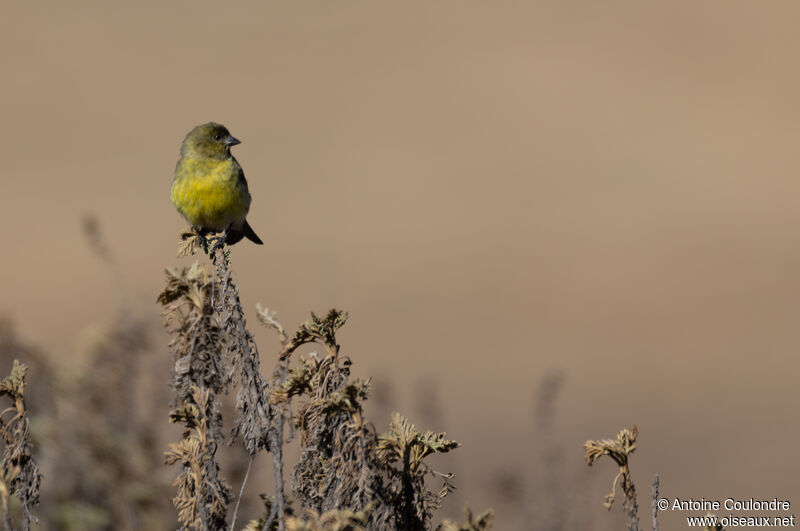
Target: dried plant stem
x,y
276,441
253,422
619,450
654,502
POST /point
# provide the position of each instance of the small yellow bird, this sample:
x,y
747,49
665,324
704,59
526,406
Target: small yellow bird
x,y
209,188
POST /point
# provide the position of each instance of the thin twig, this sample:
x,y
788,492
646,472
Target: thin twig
x,y
241,491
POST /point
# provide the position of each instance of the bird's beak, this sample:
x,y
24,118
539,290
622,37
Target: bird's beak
x,y
231,141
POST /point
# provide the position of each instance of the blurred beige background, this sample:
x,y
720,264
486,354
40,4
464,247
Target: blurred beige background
x,y
493,190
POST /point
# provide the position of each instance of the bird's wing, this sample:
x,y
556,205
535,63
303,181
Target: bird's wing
x,y
242,180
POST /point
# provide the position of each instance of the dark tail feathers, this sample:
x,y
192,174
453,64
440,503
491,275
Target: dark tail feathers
x,y
234,236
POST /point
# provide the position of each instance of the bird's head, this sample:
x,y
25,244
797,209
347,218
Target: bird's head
x,y
210,140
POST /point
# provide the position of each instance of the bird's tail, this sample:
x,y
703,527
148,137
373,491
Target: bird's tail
x,y
250,233
235,235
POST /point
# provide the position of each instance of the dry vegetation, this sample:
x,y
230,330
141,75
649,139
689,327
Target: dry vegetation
x,y
20,472
102,424
348,476
620,450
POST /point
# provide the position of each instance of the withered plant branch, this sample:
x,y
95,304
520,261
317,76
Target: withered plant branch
x,y
203,497
20,472
320,330
619,450
200,375
253,422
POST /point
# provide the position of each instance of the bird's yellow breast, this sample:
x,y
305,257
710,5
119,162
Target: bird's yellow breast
x,y
209,193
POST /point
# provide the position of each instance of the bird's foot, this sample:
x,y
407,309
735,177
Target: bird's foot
x,y
191,241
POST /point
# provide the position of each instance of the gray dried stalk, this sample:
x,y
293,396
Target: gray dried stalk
x,y
254,421
654,501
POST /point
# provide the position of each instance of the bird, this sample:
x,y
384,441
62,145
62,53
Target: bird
x,y
209,189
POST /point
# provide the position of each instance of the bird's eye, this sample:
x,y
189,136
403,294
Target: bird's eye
x,y
216,137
